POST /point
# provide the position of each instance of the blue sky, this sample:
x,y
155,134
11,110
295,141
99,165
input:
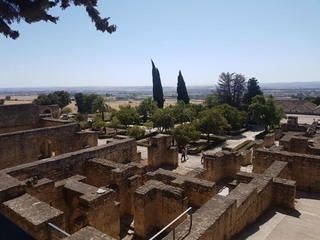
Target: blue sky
x,y
272,40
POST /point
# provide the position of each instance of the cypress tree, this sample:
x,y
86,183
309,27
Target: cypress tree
x,y
157,86
182,90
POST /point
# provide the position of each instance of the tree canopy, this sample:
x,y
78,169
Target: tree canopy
x,y
231,88
253,89
182,90
263,110
85,102
98,105
163,119
211,121
62,98
31,11
185,133
234,117
128,115
157,86
146,108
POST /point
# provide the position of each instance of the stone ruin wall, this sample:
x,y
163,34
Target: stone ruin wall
x,y
156,204
161,152
18,117
224,217
221,165
31,145
303,168
62,193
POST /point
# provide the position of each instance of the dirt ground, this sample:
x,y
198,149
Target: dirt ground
x,y
112,103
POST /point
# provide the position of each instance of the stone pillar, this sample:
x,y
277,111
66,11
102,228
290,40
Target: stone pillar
x,y
161,152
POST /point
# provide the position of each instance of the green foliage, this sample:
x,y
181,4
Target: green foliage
x,y
128,115
87,103
157,86
186,133
148,125
62,98
114,123
98,123
211,101
253,89
146,108
136,132
234,117
211,121
264,111
31,11
98,105
183,112
163,119
231,88
2,101
182,90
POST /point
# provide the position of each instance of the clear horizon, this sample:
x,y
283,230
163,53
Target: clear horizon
x,y
274,41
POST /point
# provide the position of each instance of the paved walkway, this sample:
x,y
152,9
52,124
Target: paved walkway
x,y
302,224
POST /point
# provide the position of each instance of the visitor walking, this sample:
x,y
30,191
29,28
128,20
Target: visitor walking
x,y
186,152
202,157
183,155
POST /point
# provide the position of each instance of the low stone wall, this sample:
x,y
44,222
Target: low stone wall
x,y
197,190
303,168
31,145
72,163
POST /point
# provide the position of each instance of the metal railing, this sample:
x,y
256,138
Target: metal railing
x,y
59,230
173,222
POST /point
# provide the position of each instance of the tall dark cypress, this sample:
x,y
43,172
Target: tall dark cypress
x,y
182,90
157,86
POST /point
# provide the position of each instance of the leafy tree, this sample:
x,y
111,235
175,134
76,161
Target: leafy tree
x,y
183,112
211,121
185,133
157,86
80,99
98,123
62,98
146,108
114,123
234,117
211,100
136,132
231,88
182,90
127,115
99,105
85,102
163,119
31,11
264,111
253,89
2,101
